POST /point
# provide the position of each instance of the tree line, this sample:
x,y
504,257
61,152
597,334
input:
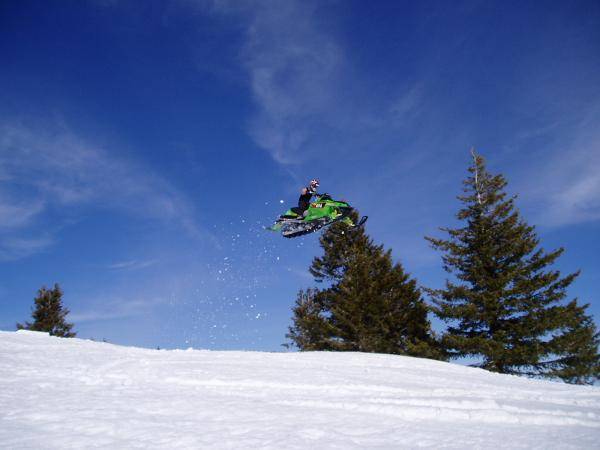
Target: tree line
x,y
505,307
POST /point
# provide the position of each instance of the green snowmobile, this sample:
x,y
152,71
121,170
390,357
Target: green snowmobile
x,y
322,212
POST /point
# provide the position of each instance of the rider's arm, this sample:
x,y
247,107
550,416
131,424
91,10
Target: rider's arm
x,y
304,191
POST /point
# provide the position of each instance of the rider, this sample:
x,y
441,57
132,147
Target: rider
x,y
305,196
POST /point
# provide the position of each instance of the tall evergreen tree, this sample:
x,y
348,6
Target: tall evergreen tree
x,y
49,314
505,305
371,305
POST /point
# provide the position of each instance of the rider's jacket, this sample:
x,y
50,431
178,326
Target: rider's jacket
x,y
304,200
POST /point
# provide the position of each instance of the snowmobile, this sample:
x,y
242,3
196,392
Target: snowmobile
x,y
322,212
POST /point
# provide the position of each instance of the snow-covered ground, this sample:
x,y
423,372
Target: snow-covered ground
x,y
72,393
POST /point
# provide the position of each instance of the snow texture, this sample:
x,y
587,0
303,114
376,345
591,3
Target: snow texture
x,y
71,393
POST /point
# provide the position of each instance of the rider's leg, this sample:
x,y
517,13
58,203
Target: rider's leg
x,y
298,210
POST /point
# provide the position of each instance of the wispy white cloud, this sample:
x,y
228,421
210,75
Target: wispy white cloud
x,y
93,316
15,215
14,248
46,166
117,308
564,187
132,264
293,67
409,104
577,199
309,98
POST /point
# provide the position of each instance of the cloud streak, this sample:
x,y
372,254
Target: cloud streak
x,y
50,167
16,215
14,248
574,197
308,96
293,67
564,188
116,308
132,264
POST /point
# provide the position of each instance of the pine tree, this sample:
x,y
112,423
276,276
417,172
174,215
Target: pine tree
x,y
506,306
49,314
310,330
371,305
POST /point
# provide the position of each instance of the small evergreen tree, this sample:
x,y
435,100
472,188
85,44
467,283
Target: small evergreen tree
x,y
49,314
506,306
309,331
371,305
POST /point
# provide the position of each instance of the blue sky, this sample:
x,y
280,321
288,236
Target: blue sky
x,y
144,145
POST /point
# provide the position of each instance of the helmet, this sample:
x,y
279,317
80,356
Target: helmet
x,y
314,183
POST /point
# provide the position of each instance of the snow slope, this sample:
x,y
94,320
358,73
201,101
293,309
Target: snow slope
x,y
72,393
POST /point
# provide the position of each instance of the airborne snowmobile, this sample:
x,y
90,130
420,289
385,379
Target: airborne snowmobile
x,y
322,212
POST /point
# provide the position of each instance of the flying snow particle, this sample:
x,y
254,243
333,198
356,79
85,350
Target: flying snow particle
x,y
281,201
